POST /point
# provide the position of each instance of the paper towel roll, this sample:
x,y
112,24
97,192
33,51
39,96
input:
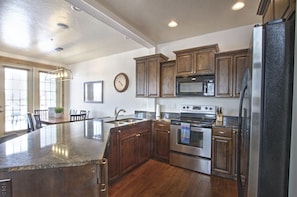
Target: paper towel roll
x,y
158,115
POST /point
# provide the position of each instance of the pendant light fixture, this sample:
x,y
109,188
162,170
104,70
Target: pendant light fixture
x,y
61,73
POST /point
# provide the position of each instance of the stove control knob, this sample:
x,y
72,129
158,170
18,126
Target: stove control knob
x,y
210,108
206,108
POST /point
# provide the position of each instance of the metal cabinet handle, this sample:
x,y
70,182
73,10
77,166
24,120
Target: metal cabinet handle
x,y
103,188
221,132
138,135
168,131
119,131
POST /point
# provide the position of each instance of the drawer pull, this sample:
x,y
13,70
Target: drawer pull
x,y
137,135
221,132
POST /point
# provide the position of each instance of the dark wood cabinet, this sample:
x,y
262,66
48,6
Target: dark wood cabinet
x,y
148,75
276,9
76,181
168,78
230,67
128,147
113,155
161,135
196,61
222,152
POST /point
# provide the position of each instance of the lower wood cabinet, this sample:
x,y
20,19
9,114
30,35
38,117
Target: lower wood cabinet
x,y
224,153
76,181
128,147
161,135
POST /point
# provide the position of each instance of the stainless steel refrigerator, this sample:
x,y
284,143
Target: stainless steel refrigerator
x,y
265,112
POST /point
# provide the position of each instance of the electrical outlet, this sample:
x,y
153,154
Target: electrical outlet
x,y
5,185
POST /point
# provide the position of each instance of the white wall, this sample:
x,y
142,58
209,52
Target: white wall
x,y
106,69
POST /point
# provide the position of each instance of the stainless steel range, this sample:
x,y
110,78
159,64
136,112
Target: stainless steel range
x,y
190,138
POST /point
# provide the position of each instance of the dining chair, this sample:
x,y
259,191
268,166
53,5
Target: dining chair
x,y
77,117
85,112
30,122
42,112
38,123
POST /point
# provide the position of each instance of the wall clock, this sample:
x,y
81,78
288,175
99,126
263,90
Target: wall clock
x,y
121,82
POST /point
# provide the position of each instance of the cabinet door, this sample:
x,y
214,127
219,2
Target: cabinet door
x,y
128,150
240,64
204,61
144,139
113,156
222,156
224,76
269,15
184,64
168,79
153,77
141,78
280,8
161,141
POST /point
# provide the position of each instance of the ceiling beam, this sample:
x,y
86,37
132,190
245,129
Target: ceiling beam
x,y
99,12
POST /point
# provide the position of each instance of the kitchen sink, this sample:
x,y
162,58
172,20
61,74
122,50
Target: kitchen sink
x,y
124,121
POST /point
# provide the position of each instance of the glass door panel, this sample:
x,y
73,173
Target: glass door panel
x,y
15,98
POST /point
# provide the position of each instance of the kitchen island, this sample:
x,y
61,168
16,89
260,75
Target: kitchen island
x,y
57,160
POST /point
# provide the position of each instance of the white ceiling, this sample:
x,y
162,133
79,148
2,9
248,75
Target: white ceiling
x,y
29,28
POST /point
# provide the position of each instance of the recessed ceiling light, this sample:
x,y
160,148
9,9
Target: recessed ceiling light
x,y
238,6
172,24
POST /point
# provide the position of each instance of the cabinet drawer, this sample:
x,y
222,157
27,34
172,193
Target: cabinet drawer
x,y
162,125
223,132
127,132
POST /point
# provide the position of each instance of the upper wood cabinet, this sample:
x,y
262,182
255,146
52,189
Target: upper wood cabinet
x,y
196,61
230,67
276,9
148,75
168,78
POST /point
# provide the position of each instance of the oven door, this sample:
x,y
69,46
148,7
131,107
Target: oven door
x,y
198,143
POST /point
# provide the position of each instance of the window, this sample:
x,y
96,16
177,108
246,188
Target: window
x,y
47,90
16,98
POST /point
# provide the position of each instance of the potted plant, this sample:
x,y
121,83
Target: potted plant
x,y
59,111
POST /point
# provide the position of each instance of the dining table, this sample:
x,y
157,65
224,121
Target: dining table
x,y
57,120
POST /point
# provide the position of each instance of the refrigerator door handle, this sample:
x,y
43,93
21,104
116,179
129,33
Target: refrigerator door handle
x,y
238,167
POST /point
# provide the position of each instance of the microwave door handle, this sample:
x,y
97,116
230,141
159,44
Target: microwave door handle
x,y
205,91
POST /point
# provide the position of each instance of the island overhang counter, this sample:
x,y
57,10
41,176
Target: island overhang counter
x,y
57,160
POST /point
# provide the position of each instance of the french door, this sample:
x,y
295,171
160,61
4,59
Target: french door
x,y
23,89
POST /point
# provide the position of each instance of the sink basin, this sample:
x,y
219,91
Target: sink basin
x,y
123,121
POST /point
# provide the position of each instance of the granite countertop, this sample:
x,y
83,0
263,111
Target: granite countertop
x,y
60,145
228,121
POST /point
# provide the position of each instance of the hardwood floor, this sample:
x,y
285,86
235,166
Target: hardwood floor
x,y
158,179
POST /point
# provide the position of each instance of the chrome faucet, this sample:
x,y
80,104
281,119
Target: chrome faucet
x,y
116,113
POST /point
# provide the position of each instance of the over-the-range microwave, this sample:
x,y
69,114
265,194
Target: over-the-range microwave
x,y
198,85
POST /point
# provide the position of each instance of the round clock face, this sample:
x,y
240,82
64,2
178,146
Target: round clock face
x,y
121,82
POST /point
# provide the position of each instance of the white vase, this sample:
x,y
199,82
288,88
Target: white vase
x,y
58,115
